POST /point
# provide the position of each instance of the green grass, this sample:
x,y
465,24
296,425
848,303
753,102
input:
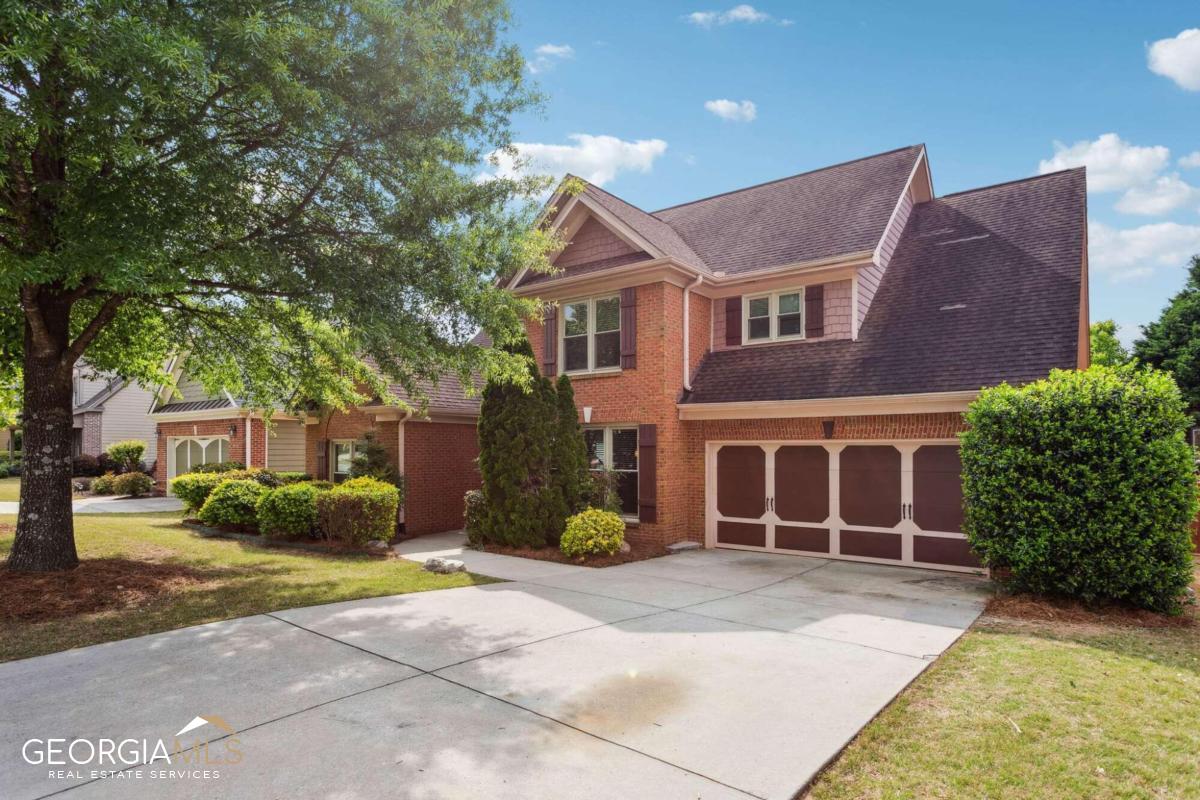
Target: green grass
x,y
10,489
237,579
1040,711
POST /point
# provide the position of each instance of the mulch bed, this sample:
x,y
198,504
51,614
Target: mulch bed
x,y
637,552
101,584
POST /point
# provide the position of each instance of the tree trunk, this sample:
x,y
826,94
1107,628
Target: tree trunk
x,y
45,539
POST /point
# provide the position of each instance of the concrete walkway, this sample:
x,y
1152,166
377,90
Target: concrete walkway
x,y
113,505
711,674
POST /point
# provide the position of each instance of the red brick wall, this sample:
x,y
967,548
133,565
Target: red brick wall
x,y
212,427
92,430
351,424
440,467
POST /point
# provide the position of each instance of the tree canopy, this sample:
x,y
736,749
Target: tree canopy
x,y
1172,342
1106,348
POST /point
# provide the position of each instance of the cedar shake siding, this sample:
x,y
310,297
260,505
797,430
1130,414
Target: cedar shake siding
x,y
835,312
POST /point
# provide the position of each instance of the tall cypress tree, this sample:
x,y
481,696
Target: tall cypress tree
x,y
570,450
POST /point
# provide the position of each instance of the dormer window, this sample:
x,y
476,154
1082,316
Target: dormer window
x,y
590,338
773,317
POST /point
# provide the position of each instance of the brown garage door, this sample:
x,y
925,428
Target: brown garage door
x,y
894,502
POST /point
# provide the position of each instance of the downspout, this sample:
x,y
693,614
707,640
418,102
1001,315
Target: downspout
x,y
687,372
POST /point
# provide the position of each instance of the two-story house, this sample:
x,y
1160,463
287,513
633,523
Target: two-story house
x,y
785,367
107,410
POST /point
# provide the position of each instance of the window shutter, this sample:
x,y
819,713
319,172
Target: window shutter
x,y
550,342
814,311
733,321
323,461
629,328
647,473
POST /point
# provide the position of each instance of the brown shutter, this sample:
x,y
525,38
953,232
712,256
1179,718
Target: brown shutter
x,y
629,328
814,311
733,321
647,473
550,342
323,461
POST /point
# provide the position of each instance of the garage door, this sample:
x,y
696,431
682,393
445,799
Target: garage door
x,y
889,502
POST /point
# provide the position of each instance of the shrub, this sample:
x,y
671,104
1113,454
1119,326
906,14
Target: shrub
x,y
195,487
104,484
1083,485
292,477
134,484
371,461
359,510
290,510
570,453
233,503
475,508
85,466
220,466
322,485
10,468
127,455
593,532
81,484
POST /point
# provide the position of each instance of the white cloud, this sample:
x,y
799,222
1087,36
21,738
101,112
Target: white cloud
x,y
547,55
743,13
1125,254
744,111
1191,160
1165,194
1111,162
1177,59
596,159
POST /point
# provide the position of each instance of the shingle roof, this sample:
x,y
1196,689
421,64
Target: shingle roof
x,y
984,287
96,402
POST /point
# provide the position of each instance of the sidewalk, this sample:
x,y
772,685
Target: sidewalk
x,y
113,505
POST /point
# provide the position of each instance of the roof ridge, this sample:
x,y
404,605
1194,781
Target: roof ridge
x,y
1026,179
777,180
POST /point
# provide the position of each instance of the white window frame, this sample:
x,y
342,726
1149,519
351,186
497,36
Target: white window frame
x,y
333,443
592,369
773,316
608,456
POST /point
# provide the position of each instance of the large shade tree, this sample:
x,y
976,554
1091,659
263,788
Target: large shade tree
x,y
1172,342
279,188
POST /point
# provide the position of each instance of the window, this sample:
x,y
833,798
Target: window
x,y
192,452
770,317
616,449
591,334
341,456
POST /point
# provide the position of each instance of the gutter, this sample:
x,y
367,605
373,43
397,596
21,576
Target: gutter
x,y
687,293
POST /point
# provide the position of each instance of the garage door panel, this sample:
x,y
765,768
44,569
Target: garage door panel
x,y
742,481
809,540
802,483
937,488
943,550
870,485
871,544
751,534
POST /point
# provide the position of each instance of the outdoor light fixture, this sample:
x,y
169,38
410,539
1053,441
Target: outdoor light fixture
x,y
827,427
587,414
232,430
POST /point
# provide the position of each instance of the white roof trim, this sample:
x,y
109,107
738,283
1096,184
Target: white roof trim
x,y
900,202
923,403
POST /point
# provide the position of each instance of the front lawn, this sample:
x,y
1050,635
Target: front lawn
x,y
1058,708
10,489
144,573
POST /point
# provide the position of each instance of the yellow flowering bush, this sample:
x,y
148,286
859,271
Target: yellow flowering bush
x,y
593,532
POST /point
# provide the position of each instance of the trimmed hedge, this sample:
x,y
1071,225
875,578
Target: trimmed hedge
x,y
1083,485
134,484
593,532
233,503
193,488
290,510
359,510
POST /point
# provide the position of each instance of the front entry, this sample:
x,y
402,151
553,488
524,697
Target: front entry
x,y
892,502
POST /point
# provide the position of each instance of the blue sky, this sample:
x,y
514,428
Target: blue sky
x,y
996,92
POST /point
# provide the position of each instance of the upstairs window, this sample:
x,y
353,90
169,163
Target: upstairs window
x,y
772,317
591,334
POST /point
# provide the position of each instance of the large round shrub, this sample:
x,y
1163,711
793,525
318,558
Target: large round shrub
x,y
233,503
1083,485
193,488
134,484
127,454
290,510
104,484
593,532
359,510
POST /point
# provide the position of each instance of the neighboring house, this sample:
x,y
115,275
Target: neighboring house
x,y
107,410
785,367
435,451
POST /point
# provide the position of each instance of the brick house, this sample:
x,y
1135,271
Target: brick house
x,y
435,450
785,367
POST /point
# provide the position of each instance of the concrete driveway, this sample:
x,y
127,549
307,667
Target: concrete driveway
x,y
706,674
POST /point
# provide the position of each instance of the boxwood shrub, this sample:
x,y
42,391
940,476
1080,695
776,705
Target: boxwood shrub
x,y
193,488
359,510
233,503
290,510
593,532
134,484
1082,484
104,484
